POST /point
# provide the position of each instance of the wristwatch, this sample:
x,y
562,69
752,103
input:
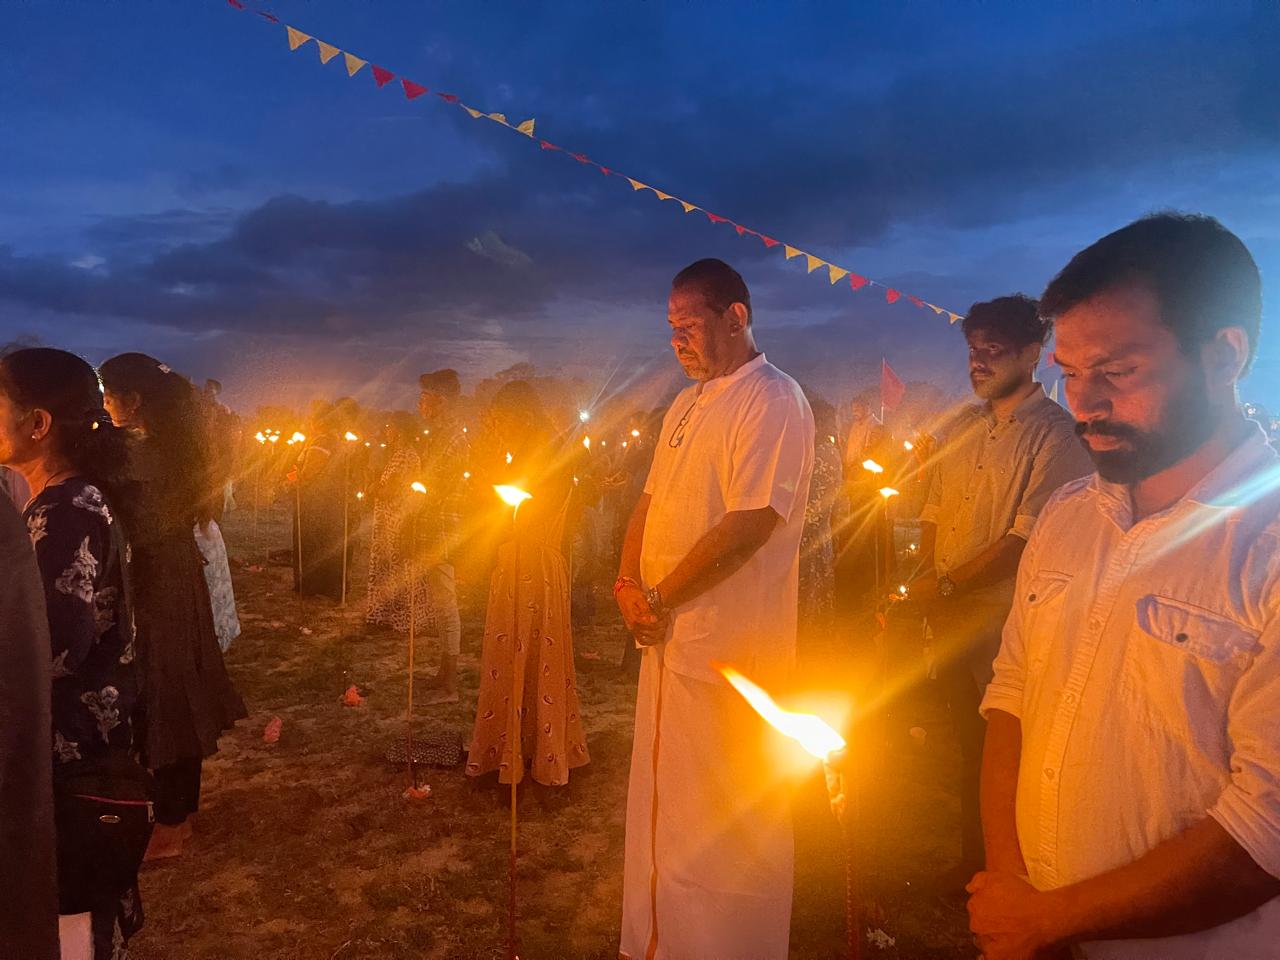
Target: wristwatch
x,y
654,599
946,586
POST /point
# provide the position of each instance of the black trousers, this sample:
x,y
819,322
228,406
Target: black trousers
x,y
177,791
963,698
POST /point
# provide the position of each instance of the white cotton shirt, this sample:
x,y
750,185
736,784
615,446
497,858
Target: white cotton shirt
x,y
746,444
1143,661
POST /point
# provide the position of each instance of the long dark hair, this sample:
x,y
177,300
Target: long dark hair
x,y
169,411
82,433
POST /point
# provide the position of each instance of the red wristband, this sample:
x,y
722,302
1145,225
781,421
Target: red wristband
x,y
624,582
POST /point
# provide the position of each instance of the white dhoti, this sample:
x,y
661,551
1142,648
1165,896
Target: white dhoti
x,y
709,848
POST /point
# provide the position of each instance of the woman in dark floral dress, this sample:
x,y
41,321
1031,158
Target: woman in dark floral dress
x,y
55,432
188,700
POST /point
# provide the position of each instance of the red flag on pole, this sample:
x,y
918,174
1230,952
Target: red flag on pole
x,y
892,389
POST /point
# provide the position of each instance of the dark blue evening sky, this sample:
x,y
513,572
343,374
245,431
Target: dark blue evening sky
x,y
176,181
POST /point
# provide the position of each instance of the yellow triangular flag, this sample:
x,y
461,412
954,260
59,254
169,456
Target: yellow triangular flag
x,y
475,114
637,185
327,51
296,38
953,317
837,273
499,118
526,128
354,64
814,262
790,251
661,195
688,207
937,310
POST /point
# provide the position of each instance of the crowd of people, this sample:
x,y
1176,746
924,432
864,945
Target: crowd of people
x,y
1099,588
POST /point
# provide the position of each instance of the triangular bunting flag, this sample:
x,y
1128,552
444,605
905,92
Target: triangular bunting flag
x,y
354,64
412,90
837,273
327,51
952,317
688,207
499,118
661,195
381,75
916,300
857,282
296,37
790,251
814,262
637,185
269,17
715,218
605,170
891,296
448,97
892,389
742,231
475,114
768,241
237,4
581,157
937,310
526,128
545,145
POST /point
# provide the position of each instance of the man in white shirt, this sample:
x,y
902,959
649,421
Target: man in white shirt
x,y
709,572
1131,777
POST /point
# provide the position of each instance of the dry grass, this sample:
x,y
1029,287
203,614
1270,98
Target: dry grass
x,y
304,849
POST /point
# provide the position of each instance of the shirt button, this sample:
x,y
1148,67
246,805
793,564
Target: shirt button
x,y
1048,773
1070,698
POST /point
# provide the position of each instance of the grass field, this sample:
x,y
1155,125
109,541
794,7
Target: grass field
x,y
304,848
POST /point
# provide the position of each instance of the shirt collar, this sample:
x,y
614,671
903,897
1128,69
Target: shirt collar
x,y
1249,471
1033,400
712,387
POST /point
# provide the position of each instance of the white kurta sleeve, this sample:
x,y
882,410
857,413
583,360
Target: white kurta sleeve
x,y
773,443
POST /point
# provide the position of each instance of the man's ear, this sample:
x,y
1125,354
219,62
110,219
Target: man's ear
x,y
1225,357
738,318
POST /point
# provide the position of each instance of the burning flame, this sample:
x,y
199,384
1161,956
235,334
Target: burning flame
x,y
299,437
349,436
908,446
359,494
512,496
417,487
259,437
635,433
586,442
888,492
466,474
872,466
811,732
584,416
508,456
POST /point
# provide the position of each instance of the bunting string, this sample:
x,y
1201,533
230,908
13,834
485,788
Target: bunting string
x,y
382,77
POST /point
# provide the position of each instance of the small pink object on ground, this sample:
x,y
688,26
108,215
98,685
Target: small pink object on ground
x,y
416,793
271,732
352,697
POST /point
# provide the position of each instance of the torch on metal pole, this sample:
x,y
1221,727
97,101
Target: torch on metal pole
x,y
844,807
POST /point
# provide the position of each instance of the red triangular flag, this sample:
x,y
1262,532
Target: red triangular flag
x,y
448,97
605,170
891,296
236,3
891,388
742,231
547,146
715,218
382,76
581,157
267,16
916,300
857,282
411,89
768,241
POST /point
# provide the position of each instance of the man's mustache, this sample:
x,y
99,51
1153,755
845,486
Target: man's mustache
x,y
1103,428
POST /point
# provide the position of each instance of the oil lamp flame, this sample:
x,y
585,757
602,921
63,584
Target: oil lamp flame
x,y
298,437
350,436
888,492
872,467
813,733
908,446
512,496
586,442
418,487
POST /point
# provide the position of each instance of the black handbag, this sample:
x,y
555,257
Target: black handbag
x,y
104,816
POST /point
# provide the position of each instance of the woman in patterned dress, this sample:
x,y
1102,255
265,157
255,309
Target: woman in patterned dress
x,y
188,701
531,582
387,602
55,432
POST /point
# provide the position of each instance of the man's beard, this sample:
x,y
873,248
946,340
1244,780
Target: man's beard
x,y
1186,424
997,388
